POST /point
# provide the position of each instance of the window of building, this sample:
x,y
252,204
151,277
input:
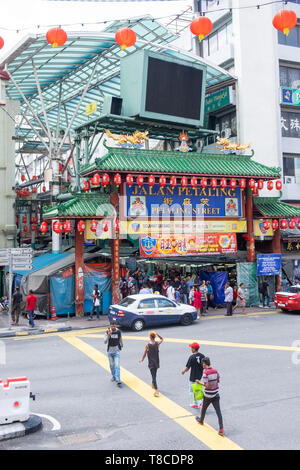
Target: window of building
x,y
293,38
291,168
289,76
226,125
290,124
217,40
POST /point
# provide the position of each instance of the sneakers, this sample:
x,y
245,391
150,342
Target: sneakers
x,y
156,393
198,419
194,406
113,379
119,384
221,432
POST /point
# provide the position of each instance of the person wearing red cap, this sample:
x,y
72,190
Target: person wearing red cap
x,y
194,364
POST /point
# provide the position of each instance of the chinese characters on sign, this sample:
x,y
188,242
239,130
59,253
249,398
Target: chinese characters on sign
x,y
290,124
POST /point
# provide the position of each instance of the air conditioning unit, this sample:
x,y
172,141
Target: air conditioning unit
x,y
289,179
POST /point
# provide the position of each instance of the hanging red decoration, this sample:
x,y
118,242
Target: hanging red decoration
x,y
25,228
93,226
233,183
184,182
267,224
68,178
140,180
129,180
1,42
162,181
96,179
260,184
60,167
24,220
44,189
117,225
86,186
44,227
105,226
105,180
252,183
275,224
57,227
243,183
298,225
125,37
33,190
213,182
255,191
67,226
292,224
201,26
117,179
151,180
56,37
22,177
223,183
283,224
173,181
81,226
33,227
270,185
203,182
34,220
34,178
194,182
284,20
278,185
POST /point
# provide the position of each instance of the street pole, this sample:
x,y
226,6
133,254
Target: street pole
x,y
10,278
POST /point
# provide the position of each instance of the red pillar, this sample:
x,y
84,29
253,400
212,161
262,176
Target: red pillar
x,y
79,273
250,227
115,254
276,247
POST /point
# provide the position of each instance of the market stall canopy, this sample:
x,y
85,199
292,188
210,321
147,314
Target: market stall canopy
x,y
82,205
273,207
174,162
63,72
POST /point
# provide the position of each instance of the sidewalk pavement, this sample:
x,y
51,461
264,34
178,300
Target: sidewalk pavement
x,y
64,323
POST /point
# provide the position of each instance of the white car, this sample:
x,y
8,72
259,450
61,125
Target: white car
x,y
140,310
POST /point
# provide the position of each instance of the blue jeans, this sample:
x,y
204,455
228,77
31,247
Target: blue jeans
x,y
30,313
114,363
265,296
97,311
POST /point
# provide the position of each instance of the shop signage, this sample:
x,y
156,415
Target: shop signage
x,y
268,264
206,244
260,231
147,227
179,202
100,234
290,96
219,99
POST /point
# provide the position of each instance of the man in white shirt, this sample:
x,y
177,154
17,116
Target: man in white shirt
x,y
171,292
228,299
97,297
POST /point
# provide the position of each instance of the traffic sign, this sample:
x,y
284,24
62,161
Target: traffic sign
x,y
25,259
22,267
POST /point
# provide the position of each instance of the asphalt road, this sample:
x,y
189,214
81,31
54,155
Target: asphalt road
x,y
260,388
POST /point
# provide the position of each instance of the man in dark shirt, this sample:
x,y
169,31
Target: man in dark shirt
x,y
265,293
16,306
194,364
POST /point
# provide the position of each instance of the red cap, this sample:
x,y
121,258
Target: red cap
x,y
194,346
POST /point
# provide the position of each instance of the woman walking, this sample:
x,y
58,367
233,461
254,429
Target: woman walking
x,y
198,302
152,352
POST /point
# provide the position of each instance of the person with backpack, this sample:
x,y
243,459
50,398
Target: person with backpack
x,y
97,299
152,352
113,339
194,364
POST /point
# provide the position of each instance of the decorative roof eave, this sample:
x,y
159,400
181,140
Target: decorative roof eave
x,y
158,162
273,207
84,206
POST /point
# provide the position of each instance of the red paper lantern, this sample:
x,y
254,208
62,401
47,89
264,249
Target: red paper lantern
x,y
162,181
275,224
57,227
151,180
44,227
292,224
243,183
44,189
283,224
93,226
33,190
213,182
67,226
1,42
25,228
201,26
105,226
260,184
117,179
173,181
56,37
140,180
34,220
252,183
255,191
233,183
267,224
203,182
22,177
24,220
278,185
34,178
125,37
194,182
105,180
81,226
117,225
60,168
270,185
223,183
86,186
129,180
33,227
184,182
96,179
284,20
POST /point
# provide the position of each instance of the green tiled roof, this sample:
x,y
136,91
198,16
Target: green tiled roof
x,y
170,162
272,207
82,205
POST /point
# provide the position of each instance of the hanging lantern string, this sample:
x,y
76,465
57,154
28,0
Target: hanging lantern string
x,y
133,20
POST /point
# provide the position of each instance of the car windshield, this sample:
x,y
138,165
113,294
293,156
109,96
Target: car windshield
x,y
295,289
127,301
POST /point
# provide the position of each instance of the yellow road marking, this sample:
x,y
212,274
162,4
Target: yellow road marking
x,y
240,315
205,434
206,342
57,333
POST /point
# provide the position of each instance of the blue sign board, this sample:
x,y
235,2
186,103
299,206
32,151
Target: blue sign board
x,y
172,202
268,264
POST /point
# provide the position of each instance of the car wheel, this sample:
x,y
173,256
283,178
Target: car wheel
x,y
137,325
186,319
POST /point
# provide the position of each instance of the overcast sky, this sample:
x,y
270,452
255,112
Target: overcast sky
x,y
20,14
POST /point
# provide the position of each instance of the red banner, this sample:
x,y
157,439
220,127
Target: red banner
x,y
178,245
